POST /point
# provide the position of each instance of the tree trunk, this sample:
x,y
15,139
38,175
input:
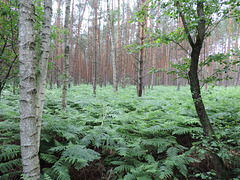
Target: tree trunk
x,y
95,48
106,55
154,57
126,56
66,56
118,45
71,62
43,65
58,49
87,59
113,56
141,53
27,67
236,58
195,86
77,52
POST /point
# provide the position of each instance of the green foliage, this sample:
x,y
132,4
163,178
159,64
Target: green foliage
x,y
157,136
8,42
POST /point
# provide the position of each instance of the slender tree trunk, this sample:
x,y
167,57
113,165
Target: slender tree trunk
x,y
126,55
154,60
58,48
195,86
228,46
71,62
123,53
43,65
118,45
100,55
27,67
141,53
106,55
77,52
66,56
113,56
87,59
236,58
95,48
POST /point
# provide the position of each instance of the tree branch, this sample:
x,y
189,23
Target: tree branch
x,y
190,40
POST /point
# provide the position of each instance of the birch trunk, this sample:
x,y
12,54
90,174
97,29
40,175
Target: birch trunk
x,y
126,58
43,65
66,56
27,72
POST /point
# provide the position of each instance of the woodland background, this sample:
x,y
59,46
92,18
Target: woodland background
x,y
122,70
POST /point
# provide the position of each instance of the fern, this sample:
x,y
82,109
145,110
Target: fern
x,y
138,138
9,165
79,155
46,177
49,158
9,152
60,168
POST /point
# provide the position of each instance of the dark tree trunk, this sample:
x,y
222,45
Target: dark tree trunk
x,y
195,87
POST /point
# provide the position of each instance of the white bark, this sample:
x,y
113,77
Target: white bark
x,y
43,65
27,71
66,55
33,76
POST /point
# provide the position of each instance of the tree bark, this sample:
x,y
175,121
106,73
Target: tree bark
x,y
58,50
71,62
141,52
95,48
27,72
77,52
236,58
43,65
195,86
106,55
113,56
66,56
126,56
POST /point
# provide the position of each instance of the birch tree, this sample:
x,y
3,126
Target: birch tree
x,y
66,55
33,74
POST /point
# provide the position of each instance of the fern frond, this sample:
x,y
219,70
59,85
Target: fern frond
x,y
9,152
49,158
58,148
61,170
79,155
46,177
165,172
124,168
172,151
161,144
7,166
11,175
129,177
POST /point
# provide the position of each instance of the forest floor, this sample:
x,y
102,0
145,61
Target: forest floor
x,y
121,136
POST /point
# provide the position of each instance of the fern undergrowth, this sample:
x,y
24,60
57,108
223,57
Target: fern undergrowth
x,y
121,136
